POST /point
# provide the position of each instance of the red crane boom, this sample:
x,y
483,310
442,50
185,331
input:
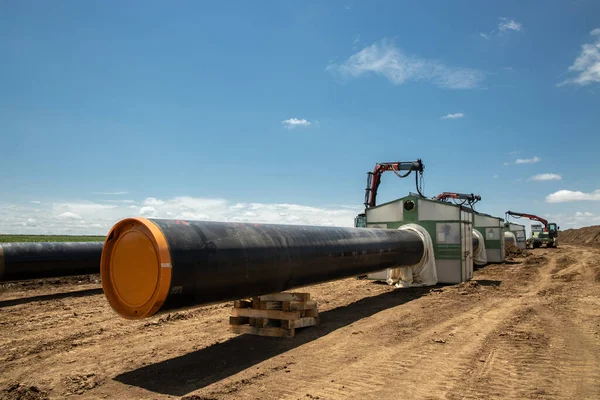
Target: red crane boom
x,y
530,216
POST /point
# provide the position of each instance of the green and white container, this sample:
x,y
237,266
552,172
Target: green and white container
x,y
492,229
519,232
450,227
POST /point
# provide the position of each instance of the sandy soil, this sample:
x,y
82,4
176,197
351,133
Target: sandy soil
x,y
525,329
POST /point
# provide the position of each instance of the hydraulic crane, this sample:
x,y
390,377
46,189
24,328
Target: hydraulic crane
x,y
374,178
459,198
547,237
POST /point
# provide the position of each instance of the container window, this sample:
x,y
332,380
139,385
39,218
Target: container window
x,y
447,233
492,233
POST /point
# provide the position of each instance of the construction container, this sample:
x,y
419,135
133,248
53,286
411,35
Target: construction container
x,y
450,227
519,232
492,229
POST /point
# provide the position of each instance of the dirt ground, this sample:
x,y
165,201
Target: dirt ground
x,y
525,329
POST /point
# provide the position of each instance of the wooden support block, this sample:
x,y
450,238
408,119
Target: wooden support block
x,y
300,323
277,314
268,331
261,322
239,320
242,303
285,297
267,305
309,313
271,314
299,305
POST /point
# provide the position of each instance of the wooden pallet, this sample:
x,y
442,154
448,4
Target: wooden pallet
x,y
277,314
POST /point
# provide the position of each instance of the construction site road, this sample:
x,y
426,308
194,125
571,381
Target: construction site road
x,y
525,329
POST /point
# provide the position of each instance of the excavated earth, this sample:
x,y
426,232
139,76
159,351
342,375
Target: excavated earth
x,y
525,329
588,236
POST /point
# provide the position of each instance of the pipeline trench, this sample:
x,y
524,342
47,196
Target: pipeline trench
x,y
527,328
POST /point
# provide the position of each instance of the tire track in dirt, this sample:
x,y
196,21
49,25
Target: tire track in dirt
x,y
539,353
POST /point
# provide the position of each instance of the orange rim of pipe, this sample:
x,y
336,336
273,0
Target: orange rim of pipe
x,y
135,268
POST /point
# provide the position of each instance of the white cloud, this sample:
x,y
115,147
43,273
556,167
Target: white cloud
x,y
98,218
509,25
453,116
564,196
387,60
576,220
151,201
111,193
148,211
533,160
546,177
587,65
503,26
69,215
294,122
35,202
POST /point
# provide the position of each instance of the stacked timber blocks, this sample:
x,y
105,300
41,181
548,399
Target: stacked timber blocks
x,y
277,314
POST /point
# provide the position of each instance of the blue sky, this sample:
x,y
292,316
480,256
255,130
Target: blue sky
x,y
112,109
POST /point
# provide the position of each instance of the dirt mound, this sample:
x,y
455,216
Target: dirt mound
x,y
588,236
536,260
513,251
22,392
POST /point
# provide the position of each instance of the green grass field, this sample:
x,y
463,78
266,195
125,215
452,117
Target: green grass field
x,y
50,238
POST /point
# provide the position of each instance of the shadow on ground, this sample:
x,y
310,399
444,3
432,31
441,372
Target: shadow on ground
x,y
185,374
53,296
487,282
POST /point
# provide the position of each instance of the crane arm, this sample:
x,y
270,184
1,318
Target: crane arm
x,y
459,198
530,216
472,198
374,178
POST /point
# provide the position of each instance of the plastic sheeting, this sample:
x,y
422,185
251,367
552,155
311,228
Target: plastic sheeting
x,y
479,254
510,238
423,273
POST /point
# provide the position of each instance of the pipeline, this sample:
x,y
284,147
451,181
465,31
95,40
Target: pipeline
x,y
150,266
24,260
479,253
510,239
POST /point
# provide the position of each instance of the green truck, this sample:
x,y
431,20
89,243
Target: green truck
x,y
543,237
544,234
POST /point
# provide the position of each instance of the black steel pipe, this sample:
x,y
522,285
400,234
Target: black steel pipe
x,y
155,265
25,260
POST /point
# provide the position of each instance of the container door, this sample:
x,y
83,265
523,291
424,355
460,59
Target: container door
x,y
467,250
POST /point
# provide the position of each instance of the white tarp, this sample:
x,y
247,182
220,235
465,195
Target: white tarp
x,y
421,274
479,254
510,238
